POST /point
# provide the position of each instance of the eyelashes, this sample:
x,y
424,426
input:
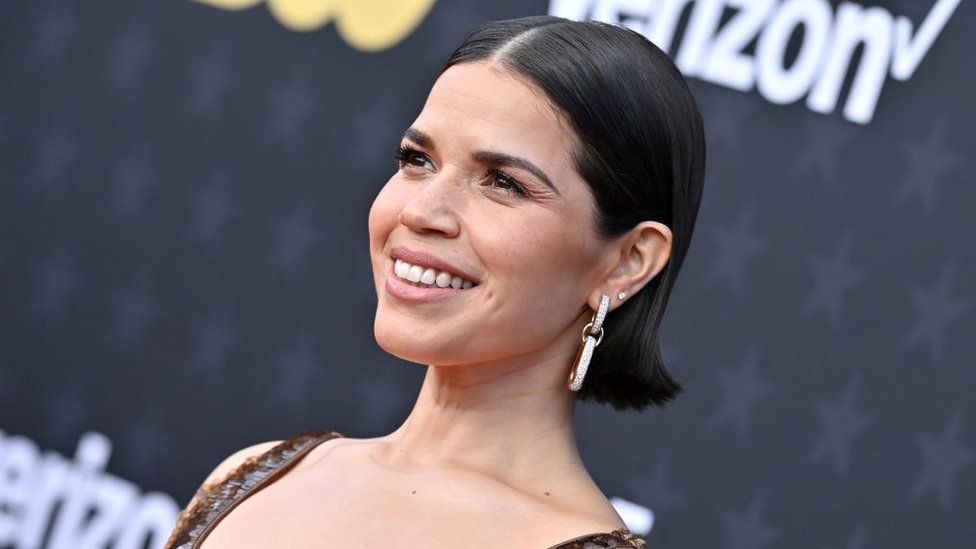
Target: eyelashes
x,y
407,155
505,179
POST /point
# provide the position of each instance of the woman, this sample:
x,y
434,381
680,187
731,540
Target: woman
x,y
524,250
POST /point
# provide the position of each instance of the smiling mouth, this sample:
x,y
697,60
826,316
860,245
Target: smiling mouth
x,y
428,277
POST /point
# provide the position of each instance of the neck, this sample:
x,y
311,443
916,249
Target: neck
x,y
511,420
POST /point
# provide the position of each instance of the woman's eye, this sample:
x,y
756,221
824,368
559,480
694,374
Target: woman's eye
x,y
501,180
406,155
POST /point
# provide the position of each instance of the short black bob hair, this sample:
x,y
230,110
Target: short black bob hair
x,y
641,149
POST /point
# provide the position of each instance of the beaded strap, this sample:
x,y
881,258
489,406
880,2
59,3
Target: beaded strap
x,y
215,499
618,539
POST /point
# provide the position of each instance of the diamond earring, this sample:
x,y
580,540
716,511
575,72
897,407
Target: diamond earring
x,y
592,336
622,295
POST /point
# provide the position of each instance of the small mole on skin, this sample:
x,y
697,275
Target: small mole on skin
x,y
547,493
414,492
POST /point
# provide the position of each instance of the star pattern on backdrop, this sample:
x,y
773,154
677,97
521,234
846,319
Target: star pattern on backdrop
x,y
210,80
840,424
134,179
834,275
134,309
727,115
53,30
856,541
825,141
930,161
944,458
656,489
291,109
736,244
295,237
56,281
5,368
936,309
66,413
131,56
146,441
214,338
56,151
213,205
379,400
741,389
449,22
912,8
298,366
377,135
747,529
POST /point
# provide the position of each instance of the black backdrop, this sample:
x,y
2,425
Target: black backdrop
x,y
184,267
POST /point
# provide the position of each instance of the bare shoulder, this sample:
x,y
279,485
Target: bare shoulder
x,y
236,459
224,468
577,507
599,519
349,450
558,528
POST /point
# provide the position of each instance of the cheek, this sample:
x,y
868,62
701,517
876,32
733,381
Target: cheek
x,y
526,251
536,286
536,262
383,216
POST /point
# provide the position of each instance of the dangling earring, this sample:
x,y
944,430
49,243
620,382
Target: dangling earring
x,y
590,339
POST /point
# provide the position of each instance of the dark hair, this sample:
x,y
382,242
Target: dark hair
x,y
641,149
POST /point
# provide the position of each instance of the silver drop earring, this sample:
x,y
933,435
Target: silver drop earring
x,y
592,336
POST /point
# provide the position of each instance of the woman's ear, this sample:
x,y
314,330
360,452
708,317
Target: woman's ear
x,y
638,256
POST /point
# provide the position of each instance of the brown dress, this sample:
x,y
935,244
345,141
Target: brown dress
x,y
214,500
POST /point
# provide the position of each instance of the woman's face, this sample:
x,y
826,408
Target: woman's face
x,y
473,191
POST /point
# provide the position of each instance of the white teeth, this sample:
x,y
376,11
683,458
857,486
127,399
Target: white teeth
x,y
429,276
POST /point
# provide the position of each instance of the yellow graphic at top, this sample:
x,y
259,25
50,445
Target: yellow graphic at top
x,y
369,25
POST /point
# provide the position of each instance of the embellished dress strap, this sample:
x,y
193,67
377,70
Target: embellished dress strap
x,y
618,539
214,500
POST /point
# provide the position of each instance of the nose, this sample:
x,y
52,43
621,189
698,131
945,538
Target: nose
x,y
432,207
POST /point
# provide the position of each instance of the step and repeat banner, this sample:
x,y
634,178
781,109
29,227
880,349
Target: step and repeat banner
x,y
184,268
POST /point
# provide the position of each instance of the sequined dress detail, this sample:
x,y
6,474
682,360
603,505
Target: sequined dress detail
x,y
214,500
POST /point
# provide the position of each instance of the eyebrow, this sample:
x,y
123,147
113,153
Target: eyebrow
x,y
419,138
493,158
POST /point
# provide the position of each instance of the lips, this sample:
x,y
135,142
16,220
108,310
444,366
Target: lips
x,y
425,259
408,292
429,277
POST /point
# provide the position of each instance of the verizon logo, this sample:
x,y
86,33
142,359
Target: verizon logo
x,y
715,51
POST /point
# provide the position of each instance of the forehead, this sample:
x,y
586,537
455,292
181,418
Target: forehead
x,y
483,105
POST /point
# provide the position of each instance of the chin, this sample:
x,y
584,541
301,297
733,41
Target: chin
x,y
400,339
